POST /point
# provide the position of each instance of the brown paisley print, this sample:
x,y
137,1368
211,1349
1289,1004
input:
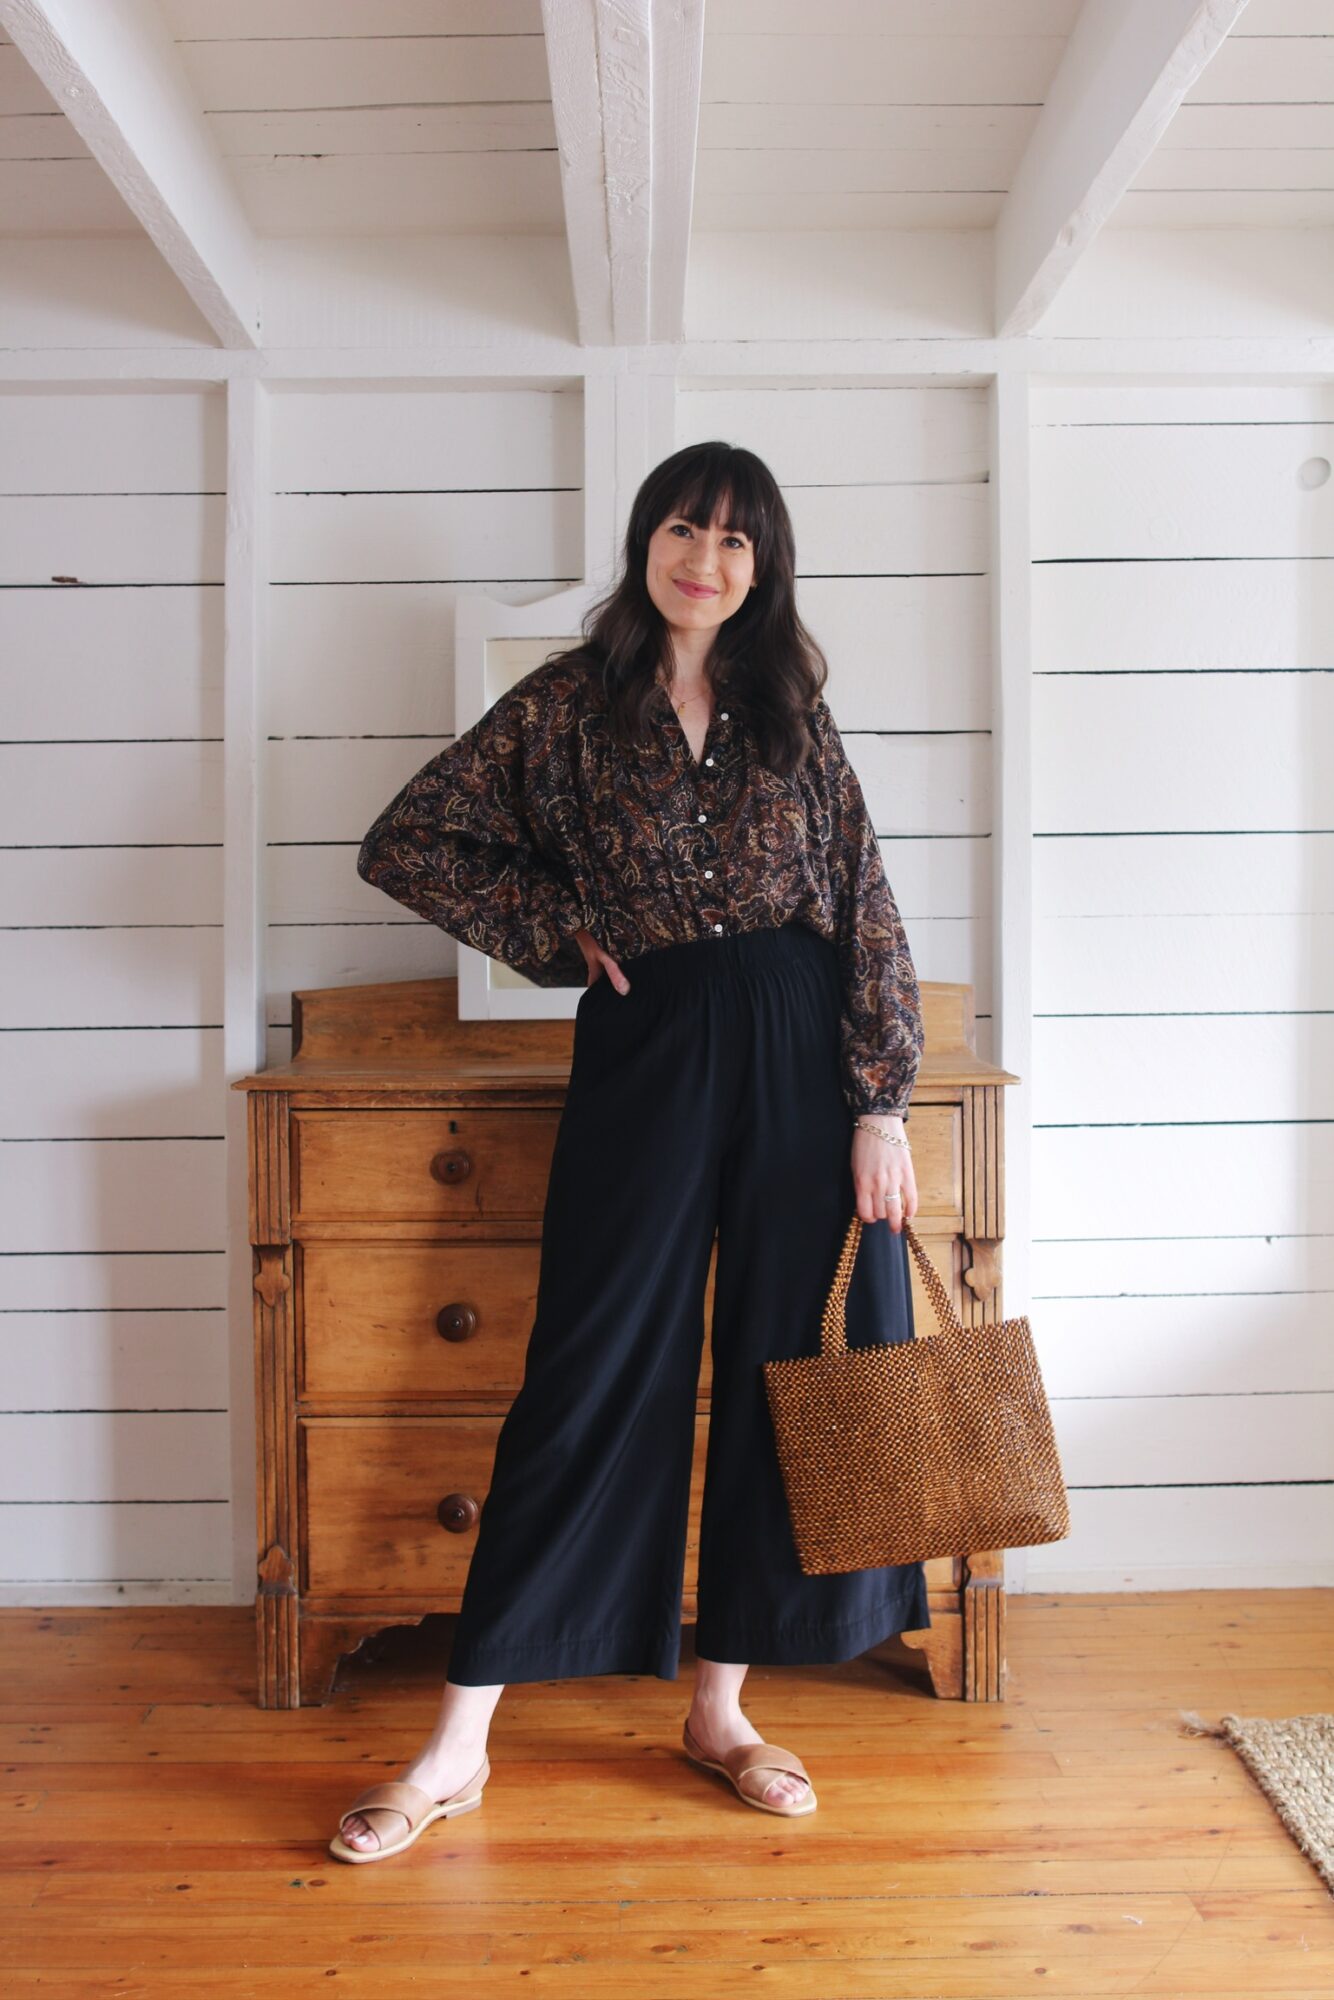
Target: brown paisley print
x,y
534,824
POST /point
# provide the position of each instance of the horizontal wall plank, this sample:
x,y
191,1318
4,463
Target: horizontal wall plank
x,y
1182,1180
846,435
100,1455
149,977
1133,492
1178,616
396,538
1191,1538
138,538
1254,1346
110,794
99,1361
112,663
1132,1440
1137,878
1208,1265
1185,1068
44,888
60,1545
111,441
1224,963
95,1281
115,1195
1261,753
109,1083
1121,400
405,438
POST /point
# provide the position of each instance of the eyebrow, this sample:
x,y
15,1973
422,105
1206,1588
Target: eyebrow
x,y
729,527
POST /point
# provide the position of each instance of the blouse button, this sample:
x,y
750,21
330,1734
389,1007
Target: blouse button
x,y
725,715
708,760
708,874
702,818
717,927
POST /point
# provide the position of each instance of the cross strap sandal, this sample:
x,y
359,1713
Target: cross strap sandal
x,y
762,1758
410,1802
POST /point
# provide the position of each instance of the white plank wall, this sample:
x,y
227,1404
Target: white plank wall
x,y
1183,1036
386,503
113,1334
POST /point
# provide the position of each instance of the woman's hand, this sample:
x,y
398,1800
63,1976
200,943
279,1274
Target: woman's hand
x,y
600,965
880,1171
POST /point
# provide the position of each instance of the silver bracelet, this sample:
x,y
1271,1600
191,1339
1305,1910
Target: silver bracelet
x,y
890,1138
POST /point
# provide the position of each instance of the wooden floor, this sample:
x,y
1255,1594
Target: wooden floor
x,y
162,1836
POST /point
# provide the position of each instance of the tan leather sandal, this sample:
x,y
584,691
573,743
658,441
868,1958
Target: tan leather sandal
x,y
410,1802
748,1758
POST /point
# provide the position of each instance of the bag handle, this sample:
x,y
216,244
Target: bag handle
x,y
833,1320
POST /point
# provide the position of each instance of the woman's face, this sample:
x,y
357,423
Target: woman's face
x,y
719,561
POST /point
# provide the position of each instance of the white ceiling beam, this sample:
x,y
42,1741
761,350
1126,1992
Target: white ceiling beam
x,y
625,83
1126,68
114,71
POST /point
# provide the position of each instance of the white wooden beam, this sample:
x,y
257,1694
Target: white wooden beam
x,y
1126,68
625,81
114,71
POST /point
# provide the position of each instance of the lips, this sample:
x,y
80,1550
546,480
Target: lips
x,y
693,589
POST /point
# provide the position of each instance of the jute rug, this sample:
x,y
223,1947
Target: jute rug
x,y
1292,1761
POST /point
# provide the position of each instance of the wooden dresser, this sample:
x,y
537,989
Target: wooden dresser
x,y
398,1171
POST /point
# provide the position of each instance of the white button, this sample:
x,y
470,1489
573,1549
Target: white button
x,y
702,818
725,715
717,927
708,760
708,874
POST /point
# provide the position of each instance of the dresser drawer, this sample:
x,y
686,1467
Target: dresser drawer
x,y
420,1166
413,1319
373,1487
378,1321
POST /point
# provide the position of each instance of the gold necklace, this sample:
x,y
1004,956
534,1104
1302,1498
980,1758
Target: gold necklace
x,y
700,694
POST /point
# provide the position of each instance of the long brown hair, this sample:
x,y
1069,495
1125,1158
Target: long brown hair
x,y
772,665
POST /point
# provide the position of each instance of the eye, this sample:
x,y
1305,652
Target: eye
x,y
680,524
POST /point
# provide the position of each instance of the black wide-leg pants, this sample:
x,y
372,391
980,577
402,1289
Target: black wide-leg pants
x,y
707,1097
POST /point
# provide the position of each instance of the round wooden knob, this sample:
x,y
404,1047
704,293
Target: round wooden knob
x,y
458,1512
452,1167
456,1322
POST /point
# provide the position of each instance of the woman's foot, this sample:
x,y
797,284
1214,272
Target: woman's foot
x,y
439,1768
718,1728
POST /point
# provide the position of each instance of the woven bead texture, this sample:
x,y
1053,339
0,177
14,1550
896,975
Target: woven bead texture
x,y
903,1450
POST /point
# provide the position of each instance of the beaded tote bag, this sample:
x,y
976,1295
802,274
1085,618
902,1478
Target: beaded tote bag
x,y
902,1450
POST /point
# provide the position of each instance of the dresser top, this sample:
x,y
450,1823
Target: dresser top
x,y
406,1035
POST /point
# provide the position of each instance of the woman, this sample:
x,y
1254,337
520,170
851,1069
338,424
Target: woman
x,y
666,816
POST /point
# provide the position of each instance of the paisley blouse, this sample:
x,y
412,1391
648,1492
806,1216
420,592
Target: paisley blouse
x,y
533,824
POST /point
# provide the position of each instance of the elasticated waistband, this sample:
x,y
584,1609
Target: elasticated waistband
x,y
732,956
